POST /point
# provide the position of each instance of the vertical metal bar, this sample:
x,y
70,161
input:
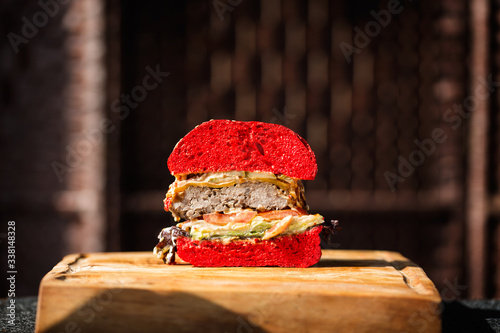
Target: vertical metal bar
x,y
84,198
113,169
476,208
341,101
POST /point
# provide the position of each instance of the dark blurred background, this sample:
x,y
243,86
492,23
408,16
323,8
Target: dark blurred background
x,y
397,99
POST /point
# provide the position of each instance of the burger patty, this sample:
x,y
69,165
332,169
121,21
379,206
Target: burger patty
x,y
198,200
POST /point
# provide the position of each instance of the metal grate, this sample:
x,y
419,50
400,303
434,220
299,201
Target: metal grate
x,y
381,113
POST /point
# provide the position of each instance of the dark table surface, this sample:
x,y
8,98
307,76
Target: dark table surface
x,y
458,316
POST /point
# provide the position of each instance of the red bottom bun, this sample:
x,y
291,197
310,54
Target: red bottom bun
x,y
301,250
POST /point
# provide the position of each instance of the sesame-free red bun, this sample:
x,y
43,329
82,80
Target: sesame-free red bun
x,y
226,145
301,250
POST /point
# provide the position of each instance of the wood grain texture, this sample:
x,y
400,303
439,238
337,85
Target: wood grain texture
x,y
347,291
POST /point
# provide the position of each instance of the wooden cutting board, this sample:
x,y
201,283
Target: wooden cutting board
x,y
348,291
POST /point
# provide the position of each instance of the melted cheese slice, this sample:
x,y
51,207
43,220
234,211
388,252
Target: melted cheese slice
x,y
228,178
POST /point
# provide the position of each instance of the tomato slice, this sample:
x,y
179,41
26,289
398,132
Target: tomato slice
x,y
281,214
244,216
278,228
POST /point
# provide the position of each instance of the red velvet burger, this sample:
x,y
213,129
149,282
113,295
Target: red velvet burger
x,y
239,197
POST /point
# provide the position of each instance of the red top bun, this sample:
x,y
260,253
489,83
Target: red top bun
x,y
229,145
